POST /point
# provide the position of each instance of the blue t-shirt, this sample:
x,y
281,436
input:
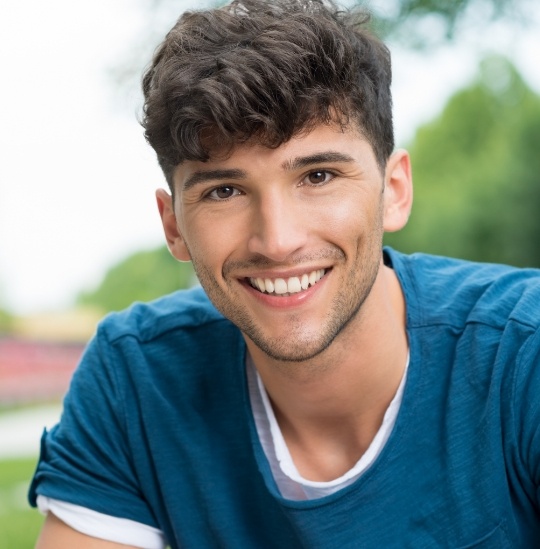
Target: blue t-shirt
x,y
157,426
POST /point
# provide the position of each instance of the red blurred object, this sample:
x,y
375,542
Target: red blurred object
x,y
33,371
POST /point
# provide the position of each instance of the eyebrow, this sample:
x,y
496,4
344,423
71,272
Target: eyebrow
x,y
204,176
297,163
317,158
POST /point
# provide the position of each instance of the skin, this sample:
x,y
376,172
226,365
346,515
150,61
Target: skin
x,y
332,356
58,535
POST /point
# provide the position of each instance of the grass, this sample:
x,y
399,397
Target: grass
x,y
7,408
19,524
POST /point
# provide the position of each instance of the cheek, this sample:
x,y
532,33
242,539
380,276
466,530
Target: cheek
x,y
351,214
212,240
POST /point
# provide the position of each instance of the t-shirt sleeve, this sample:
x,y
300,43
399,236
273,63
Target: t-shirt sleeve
x,y
86,459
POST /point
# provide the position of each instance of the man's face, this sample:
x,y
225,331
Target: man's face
x,y
286,242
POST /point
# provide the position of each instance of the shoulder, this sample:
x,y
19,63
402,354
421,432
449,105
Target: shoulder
x,y
175,331
159,353
189,310
453,291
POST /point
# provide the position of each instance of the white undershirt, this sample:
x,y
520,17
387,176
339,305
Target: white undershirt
x,y
290,482
288,479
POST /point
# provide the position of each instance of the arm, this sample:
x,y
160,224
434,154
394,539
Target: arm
x,y
58,535
87,458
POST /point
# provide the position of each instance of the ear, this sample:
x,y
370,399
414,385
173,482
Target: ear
x,y
398,191
175,240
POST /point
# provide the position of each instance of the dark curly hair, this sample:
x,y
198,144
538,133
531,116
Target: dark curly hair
x,y
265,70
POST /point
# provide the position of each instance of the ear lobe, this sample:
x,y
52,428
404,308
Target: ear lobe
x,y
175,240
398,191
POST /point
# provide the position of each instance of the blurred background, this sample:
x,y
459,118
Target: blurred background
x,y
79,231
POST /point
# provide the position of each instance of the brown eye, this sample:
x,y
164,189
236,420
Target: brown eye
x,y
222,193
318,177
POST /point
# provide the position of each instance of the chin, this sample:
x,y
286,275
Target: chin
x,y
291,347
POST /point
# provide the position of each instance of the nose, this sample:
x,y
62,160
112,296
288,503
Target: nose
x,y
279,227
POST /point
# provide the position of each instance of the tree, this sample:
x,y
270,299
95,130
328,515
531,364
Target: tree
x,y
417,23
142,276
477,173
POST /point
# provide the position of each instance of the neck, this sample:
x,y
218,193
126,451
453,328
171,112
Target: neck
x,y
330,407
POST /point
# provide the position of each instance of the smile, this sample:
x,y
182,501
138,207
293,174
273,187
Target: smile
x,y
289,286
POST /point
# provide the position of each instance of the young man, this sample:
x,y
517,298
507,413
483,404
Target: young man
x,y
317,391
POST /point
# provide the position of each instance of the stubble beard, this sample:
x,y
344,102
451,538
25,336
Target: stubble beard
x,y
299,346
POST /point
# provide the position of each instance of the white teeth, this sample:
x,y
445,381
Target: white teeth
x,y
292,285
280,286
269,286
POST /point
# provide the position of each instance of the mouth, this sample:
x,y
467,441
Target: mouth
x,y
287,286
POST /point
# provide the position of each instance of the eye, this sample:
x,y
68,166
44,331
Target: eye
x,y
223,193
318,178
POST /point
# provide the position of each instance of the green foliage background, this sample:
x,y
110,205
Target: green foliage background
x,y
19,524
6,321
476,171
142,276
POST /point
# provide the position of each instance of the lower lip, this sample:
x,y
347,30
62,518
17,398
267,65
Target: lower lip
x,y
285,302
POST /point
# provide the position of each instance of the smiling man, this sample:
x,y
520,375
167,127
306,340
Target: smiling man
x,y
317,391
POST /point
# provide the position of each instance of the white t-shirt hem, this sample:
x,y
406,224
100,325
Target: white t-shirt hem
x,y
99,525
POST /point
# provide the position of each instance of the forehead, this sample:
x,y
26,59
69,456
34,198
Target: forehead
x,y
324,143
